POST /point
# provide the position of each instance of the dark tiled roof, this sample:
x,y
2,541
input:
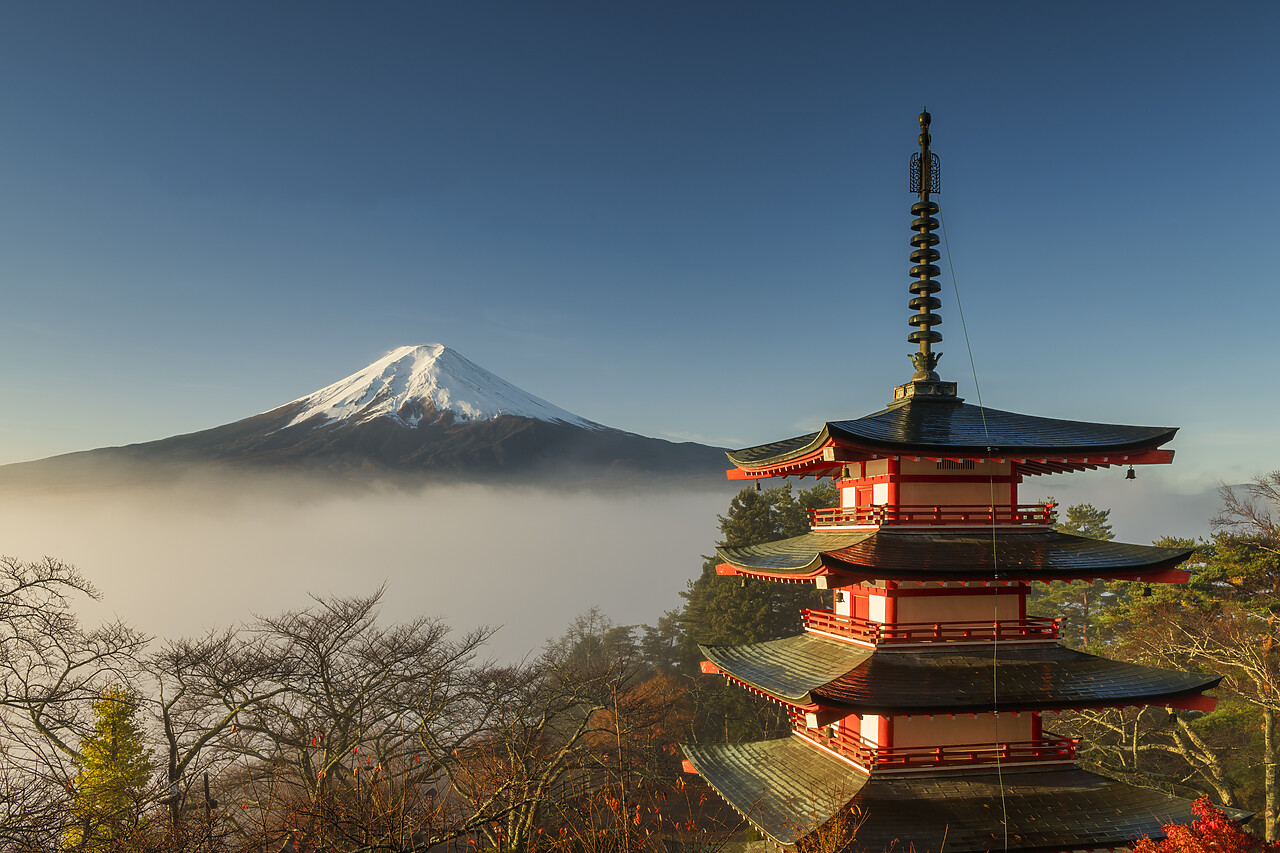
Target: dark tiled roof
x,y
941,427
1044,554
789,668
806,670
788,788
785,787
798,555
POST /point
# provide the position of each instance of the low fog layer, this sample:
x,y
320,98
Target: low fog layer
x,y
1156,503
209,551
178,558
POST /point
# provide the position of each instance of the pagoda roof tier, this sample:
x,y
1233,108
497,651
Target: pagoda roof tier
x,y
1044,555
809,671
788,788
950,429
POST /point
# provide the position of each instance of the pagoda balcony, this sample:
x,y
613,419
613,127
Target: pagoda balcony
x,y
922,515
1047,748
1030,628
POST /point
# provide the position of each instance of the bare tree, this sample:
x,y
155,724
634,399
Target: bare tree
x,y
51,671
1244,636
201,688
1162,748
334,750
572,724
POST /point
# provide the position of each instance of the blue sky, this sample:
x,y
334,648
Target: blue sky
x,y
680,219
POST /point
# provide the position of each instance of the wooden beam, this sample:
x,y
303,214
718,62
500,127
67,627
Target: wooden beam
x,y
1195,703
822,718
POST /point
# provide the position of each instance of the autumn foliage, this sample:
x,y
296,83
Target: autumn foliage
x,y
1211,832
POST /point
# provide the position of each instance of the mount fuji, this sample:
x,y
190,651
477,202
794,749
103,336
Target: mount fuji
x,y
421,411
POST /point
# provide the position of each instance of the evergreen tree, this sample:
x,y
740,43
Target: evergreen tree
x,y
723,610
1079,605
115,767
1086,520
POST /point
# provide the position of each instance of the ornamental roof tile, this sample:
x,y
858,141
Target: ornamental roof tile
x,y
951,427
1013,555
811,670
789,788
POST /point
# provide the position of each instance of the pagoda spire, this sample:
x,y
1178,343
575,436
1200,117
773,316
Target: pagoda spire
x,y
924,182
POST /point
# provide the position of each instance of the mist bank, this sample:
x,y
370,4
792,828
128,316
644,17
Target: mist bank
x,y
177,551
179,554
1157,502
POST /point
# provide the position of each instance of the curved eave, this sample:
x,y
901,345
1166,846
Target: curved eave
x,y
1044,555
828,459
790,669
798,558
784,787
937,430
788,789
807,671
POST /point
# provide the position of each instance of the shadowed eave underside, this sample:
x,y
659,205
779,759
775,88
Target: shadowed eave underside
x,y
788,788
1043,555
809,671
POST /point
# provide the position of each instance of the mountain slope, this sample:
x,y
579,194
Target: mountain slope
x,y
421,411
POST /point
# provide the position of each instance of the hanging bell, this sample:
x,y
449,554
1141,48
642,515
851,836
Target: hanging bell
x,y
1146,591
757,485
1130,474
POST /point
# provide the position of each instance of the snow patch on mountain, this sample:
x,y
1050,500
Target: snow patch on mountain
x,y
401,384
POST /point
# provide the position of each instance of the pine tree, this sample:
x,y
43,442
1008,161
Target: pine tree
x,y
721,610
1079,605
115,767
1088,521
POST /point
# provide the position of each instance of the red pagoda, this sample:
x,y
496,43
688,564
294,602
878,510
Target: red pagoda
x,y
918,701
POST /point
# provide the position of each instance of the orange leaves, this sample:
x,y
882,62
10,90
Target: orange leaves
x,y
1211,832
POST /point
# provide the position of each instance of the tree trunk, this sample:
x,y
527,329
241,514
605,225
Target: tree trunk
x,y
1271,781
1084,617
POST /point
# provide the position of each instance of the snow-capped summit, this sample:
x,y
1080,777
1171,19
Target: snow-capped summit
x,y
410,382
416,412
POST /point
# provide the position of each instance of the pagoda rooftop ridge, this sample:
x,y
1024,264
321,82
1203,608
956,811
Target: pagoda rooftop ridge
x,y
1008,555
809,671
952,429
789,789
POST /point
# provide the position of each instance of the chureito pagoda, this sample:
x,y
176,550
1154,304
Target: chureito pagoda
x,y
920,702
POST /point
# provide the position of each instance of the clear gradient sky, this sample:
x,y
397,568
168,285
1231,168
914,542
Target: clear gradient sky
x,y
684,219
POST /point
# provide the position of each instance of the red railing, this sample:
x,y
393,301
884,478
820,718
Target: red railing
x,y
921,514
1049,747
877,633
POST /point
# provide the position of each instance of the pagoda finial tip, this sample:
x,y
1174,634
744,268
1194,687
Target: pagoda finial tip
x,y
924,258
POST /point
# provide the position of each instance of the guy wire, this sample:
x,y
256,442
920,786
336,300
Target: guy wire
x,y
995,554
